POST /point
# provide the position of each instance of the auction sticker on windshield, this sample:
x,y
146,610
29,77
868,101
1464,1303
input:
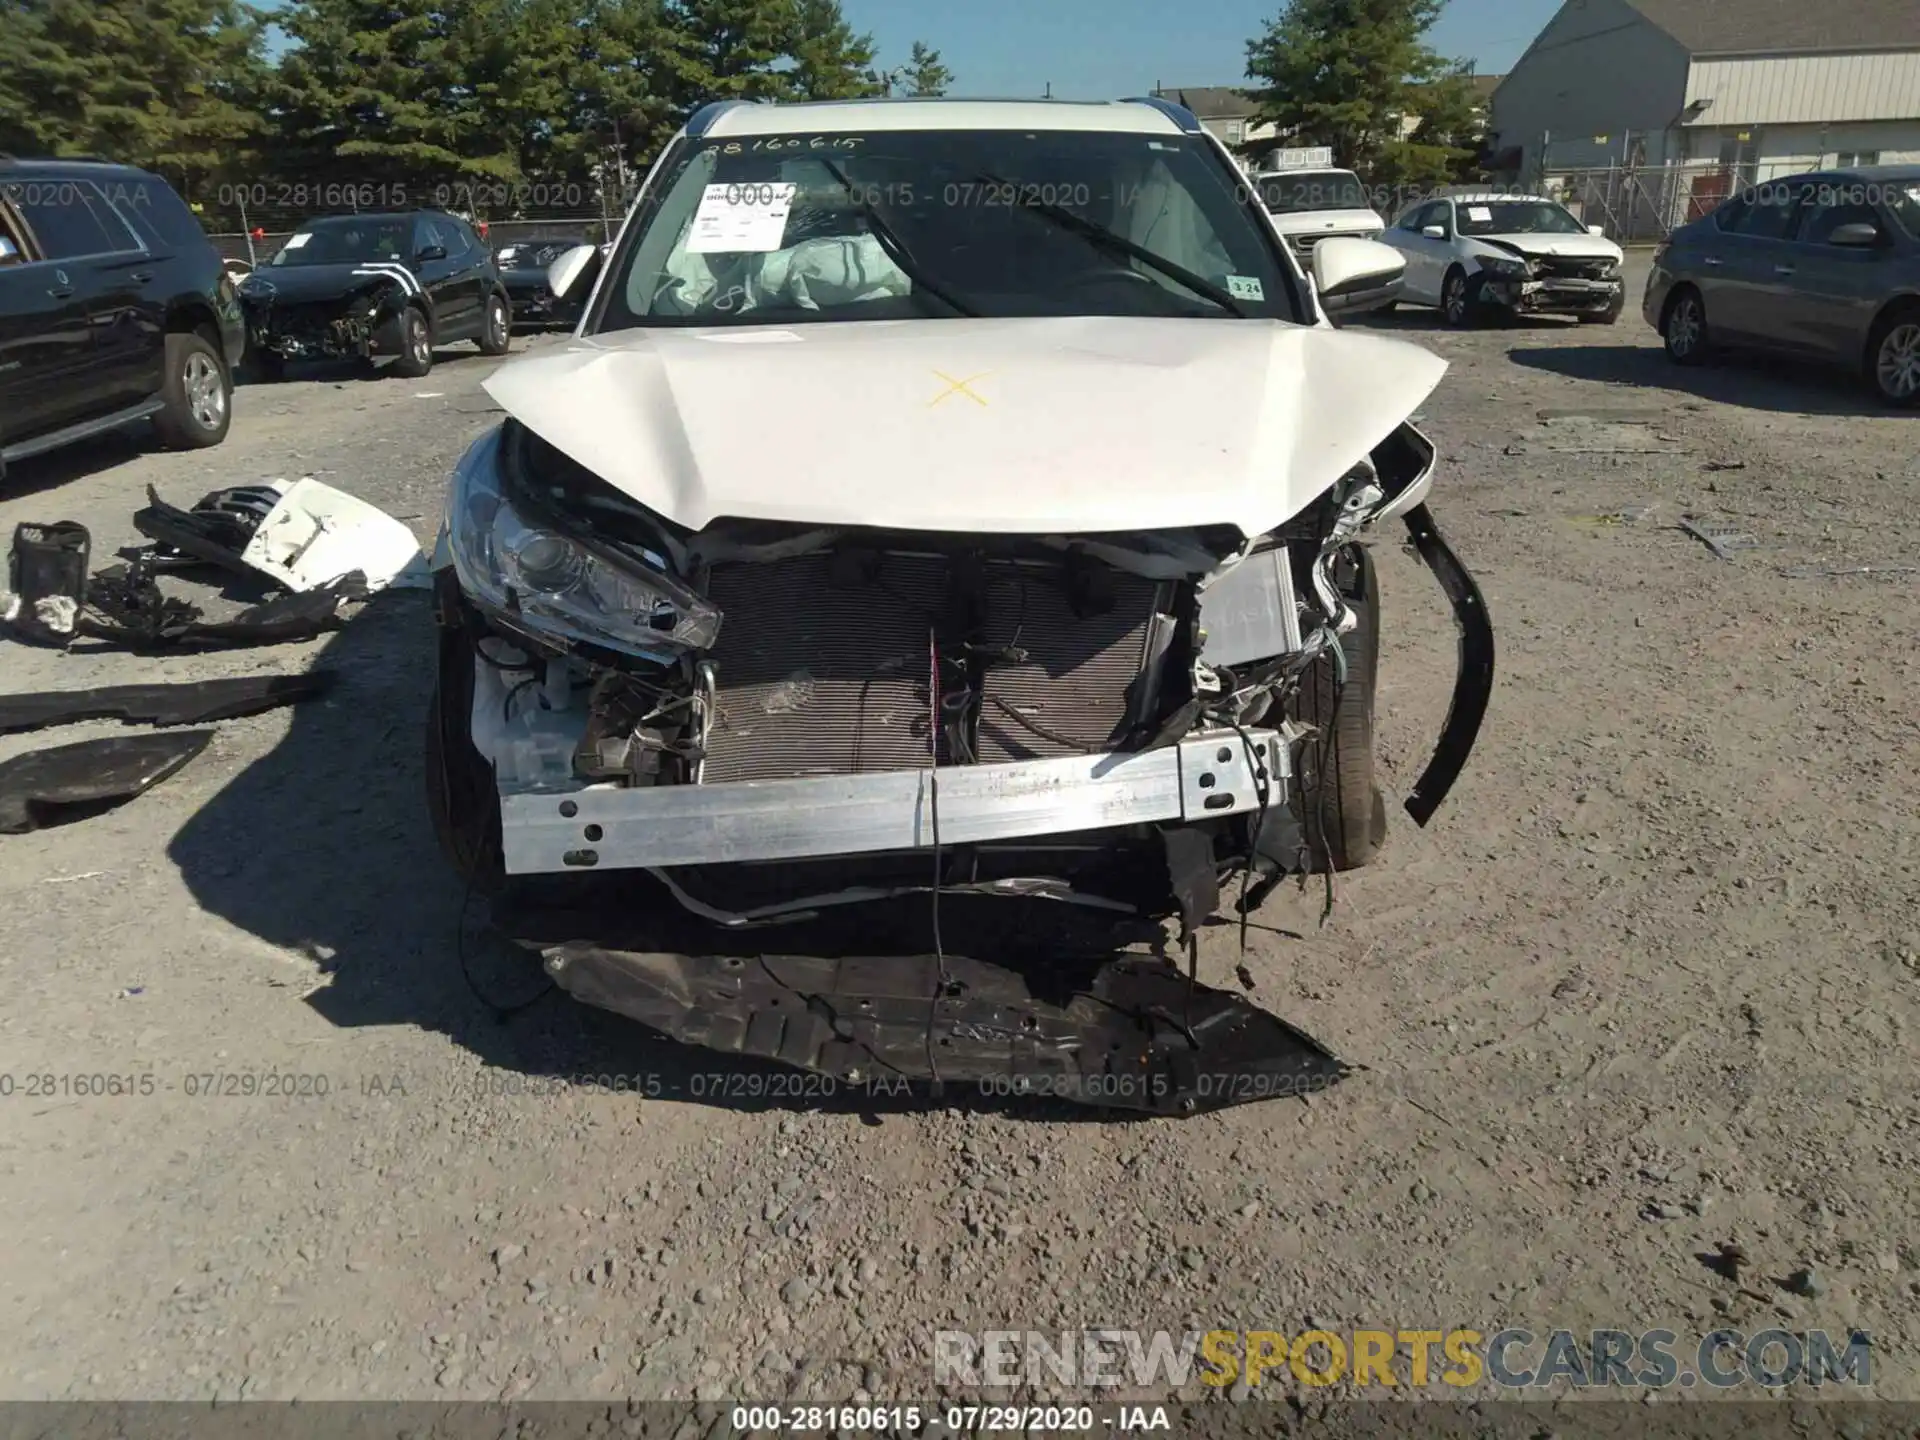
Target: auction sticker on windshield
x,y
1479,214
1246,287
736,219
294,242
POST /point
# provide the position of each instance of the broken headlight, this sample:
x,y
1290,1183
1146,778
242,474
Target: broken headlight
x,y
545,576
1506,269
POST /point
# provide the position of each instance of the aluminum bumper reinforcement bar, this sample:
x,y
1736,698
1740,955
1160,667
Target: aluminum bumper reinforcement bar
x,y
606,827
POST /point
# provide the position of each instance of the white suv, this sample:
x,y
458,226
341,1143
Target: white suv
x,y
1476,255
943,509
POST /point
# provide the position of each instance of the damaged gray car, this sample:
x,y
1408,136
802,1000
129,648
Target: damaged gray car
x,y
927,588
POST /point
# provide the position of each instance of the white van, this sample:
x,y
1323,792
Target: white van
x,y
1307,206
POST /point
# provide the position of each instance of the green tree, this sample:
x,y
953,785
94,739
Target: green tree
x,y
765,50
1348,73
924,74
730,49
591,87
172,85
397,95
830,61
1448,119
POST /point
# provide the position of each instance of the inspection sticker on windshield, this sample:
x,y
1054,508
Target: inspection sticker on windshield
x,y
736,219
1479,214
1246,287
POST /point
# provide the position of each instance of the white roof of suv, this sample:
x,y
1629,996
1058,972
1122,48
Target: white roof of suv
x,y
1126,116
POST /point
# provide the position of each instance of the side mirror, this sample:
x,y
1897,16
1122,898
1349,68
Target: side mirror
x,y
573,271
1351,275
1857,236
1599,230
1435,232
432,252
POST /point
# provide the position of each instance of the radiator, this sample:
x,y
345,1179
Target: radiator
x,y
822,668
1078,684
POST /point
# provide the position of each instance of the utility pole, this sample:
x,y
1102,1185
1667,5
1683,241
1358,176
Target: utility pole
x,y
1049,94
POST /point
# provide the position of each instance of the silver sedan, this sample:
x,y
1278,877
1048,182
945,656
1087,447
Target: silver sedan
x,y
1823,265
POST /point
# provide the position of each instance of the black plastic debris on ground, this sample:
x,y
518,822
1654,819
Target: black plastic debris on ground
x,y
859,1001
215,532
70,782
47,574
126,607
56,603
181,704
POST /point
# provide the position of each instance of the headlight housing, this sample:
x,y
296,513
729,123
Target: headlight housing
x,y
1507,269
545,578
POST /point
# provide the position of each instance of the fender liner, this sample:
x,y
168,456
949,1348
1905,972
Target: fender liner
x,y
1473,679
45,787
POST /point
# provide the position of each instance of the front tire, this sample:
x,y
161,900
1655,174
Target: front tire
x,y
1457,305
1339,804
1893,358
462,798
1685,328
496,326
416,345
198,392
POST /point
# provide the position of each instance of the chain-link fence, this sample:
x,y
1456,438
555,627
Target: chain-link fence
x,y
1642,205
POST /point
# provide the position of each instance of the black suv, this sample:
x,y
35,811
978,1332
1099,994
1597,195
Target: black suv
x,y
393,283
114,306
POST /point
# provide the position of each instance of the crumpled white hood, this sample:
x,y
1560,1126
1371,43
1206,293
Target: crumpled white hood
x,y
1575,247
1026,426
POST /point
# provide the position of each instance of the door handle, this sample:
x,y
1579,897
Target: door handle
x,y
1783,269
1711,262
143,276
60,293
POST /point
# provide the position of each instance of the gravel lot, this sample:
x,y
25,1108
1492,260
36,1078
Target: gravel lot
x,y
1647,985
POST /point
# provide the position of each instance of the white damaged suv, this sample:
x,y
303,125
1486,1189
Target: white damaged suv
x,y
943,533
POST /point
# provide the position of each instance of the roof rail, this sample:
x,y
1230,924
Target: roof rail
x,y
1179,114
701,121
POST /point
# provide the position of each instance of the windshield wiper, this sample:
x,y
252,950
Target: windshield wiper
x,y
890,241
1112,240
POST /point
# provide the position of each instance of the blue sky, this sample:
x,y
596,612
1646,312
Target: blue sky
x,y
1098,49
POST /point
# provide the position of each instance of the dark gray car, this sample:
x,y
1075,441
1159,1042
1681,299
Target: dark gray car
x,y
1824,265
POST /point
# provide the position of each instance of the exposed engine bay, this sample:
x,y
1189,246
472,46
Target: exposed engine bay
x,y
804,724
853,653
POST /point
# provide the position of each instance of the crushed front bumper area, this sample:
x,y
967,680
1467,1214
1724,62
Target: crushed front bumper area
x,y
326,334
1555,295
336,340
535,305
1008,980
1123,1030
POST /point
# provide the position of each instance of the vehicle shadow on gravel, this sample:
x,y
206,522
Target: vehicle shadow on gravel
x,y
25,478
336,372
1744,382
323,846
1426,319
